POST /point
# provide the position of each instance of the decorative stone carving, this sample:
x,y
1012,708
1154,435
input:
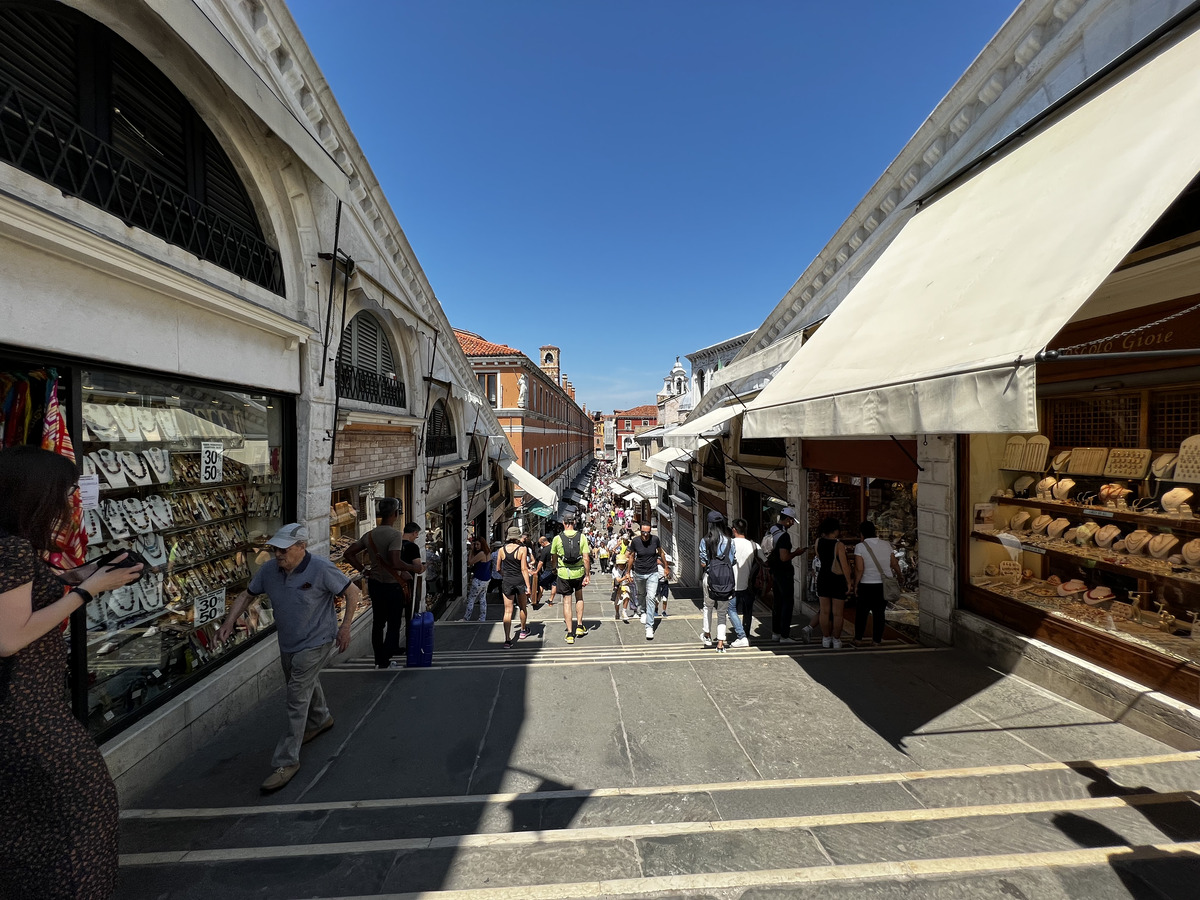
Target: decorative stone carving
x,y
523,391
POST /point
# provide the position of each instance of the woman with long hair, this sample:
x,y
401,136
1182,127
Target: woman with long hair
x,y
716,550
831,583
481,575
58,804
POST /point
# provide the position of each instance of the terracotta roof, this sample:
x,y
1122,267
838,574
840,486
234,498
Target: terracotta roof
x,y
474,345
647,411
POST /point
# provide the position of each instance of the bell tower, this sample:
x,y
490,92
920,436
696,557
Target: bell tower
x,y
548,360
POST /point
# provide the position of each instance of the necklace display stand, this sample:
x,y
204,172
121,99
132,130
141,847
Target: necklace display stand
x,y
135,467
91,525
168,425
160,463
115,520
159,511
108,467
100,422
153,548
136,515
126,419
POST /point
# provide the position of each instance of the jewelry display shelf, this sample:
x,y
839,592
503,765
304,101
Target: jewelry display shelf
x,y
192,526
1146,636
177,487
1160,522
1160,572
243,548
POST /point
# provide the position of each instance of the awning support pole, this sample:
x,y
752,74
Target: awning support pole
x,y
337,231
1058,356
904,450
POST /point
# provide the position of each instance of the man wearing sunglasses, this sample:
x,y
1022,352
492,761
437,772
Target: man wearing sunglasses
x,y
304,590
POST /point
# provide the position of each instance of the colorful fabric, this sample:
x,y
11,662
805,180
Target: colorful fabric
x,y
71,538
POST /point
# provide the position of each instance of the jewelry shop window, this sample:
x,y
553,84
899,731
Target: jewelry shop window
x,y
189,477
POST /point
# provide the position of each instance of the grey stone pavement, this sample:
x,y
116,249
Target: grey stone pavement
x,y
620,767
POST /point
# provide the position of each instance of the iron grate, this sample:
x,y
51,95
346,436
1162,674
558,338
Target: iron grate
x,y
1094,421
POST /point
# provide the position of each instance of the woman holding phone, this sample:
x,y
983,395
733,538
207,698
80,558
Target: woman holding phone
x,y
58,804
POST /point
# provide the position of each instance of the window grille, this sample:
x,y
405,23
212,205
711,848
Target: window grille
x,y
1110,421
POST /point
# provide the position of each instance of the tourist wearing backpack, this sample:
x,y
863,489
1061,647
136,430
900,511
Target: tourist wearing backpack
x,y
572,558
717,562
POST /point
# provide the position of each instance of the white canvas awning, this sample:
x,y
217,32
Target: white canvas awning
x,y
529,483
619,490
696,433
663,458
635,497
940,334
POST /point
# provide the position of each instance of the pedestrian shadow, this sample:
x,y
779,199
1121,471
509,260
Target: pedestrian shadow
x,y
535,811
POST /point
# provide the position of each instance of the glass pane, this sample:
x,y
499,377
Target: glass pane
x,y
190,477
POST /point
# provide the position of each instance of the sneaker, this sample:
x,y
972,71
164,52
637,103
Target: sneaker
x,y
720,648
741,642
706,639
784,640
776,638
664,613
625,619
806,633
524,634
508,645
570,638
580,631
826,642
649,632
837,645
279,778
328,723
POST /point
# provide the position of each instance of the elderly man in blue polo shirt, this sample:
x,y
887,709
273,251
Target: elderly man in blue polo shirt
x,y
303,590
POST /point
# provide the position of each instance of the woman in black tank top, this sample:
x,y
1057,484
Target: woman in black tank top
x,y
514,567
831,584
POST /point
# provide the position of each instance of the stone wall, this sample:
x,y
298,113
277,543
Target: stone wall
x,y
372,456
937,524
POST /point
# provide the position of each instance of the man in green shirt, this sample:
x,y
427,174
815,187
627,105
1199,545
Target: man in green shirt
x,y
572,558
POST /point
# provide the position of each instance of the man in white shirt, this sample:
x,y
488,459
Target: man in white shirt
x,y
741,606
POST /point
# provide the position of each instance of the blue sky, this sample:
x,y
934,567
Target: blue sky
x,y
631,181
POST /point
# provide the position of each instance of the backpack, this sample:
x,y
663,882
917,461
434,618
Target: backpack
x,y
571,554
768,541
719,570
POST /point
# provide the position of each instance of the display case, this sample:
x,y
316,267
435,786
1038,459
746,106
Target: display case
x,y
1092,526
190,478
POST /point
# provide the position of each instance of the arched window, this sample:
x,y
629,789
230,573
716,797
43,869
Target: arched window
x,y
82,109
366,366
439,432
474,466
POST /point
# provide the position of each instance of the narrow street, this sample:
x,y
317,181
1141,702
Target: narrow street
x,y
620,767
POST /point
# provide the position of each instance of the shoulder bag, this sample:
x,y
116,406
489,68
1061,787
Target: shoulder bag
x,y
891,587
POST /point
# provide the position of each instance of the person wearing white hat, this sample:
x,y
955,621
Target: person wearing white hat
x,y
304,590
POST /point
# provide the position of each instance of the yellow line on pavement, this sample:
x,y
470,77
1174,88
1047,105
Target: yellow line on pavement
x,y
915,868
656,790
658,830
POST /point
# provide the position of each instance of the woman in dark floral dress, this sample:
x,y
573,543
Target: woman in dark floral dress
x,y
58,804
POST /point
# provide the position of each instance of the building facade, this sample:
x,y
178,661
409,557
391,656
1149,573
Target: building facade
x,y
206,279
1025,475
552,436
707,361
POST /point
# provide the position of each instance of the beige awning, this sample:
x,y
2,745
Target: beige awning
x,y
940,334
702,430
529,483
661,460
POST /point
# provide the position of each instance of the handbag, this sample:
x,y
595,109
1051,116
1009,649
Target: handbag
x,y
891,587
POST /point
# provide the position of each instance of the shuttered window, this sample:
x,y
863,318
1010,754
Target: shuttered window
x,y
439,432
365,346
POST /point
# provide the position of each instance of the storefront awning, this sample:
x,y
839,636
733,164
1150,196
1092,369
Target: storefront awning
x,y
538,509
619,490
696,433
529,483
661,460
940,335
635,497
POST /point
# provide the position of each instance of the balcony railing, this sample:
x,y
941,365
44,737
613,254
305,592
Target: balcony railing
x,y
57,150
354,383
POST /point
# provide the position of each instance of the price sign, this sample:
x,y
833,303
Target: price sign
x,y
212,462
207,607
89,491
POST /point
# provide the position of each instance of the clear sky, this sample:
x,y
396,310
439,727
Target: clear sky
x,y
631,180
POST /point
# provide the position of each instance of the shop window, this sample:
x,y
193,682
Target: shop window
x,y
474,466
366,367
772,447
439,432
714,463
191,477
685,488
84,110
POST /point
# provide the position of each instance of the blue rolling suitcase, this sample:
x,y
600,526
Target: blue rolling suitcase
x,y
420,641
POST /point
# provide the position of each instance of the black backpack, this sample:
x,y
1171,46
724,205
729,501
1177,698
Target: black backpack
x,y
571,544
719,570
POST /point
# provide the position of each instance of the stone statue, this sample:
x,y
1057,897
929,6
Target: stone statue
x,y
523,391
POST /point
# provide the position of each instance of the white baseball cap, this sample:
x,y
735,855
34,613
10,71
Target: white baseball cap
x,y
288,535
789,512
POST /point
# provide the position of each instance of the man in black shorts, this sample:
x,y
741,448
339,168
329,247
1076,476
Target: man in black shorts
x,y
514,567
544,571
573,562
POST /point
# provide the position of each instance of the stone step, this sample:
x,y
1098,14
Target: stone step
x,y
574,840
